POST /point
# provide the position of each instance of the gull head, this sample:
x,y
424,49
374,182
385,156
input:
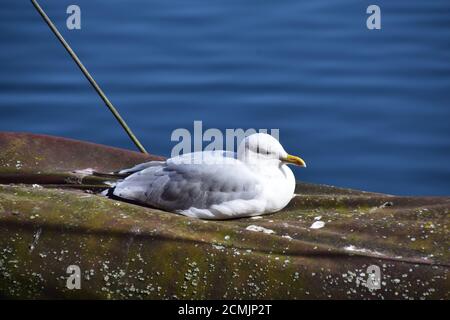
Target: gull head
x,y
263,149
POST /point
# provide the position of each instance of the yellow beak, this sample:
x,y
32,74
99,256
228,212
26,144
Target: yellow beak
x,y
294,160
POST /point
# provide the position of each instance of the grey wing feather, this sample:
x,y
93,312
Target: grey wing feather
x,y
141,167
173,186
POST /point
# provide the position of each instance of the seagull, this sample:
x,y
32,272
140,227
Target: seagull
x,y
216,185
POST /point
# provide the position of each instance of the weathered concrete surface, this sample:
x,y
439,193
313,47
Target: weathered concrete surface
x,y
48,221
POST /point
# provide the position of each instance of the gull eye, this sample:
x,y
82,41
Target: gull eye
x,y
262,150
258,149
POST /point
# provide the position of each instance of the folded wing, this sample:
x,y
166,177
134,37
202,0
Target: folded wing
x,y
186,182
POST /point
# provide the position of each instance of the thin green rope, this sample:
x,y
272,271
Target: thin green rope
x,y
89,77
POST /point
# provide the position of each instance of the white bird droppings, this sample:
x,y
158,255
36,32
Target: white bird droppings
x,y
317,225
259,229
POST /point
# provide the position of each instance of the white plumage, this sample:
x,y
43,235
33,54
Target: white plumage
x,y
216,184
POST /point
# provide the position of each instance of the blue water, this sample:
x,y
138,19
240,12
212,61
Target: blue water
x,y
365,109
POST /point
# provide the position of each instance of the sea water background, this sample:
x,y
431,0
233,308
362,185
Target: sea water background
x,y
365,109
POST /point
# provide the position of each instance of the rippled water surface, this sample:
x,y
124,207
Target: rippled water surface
x,y
365,109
